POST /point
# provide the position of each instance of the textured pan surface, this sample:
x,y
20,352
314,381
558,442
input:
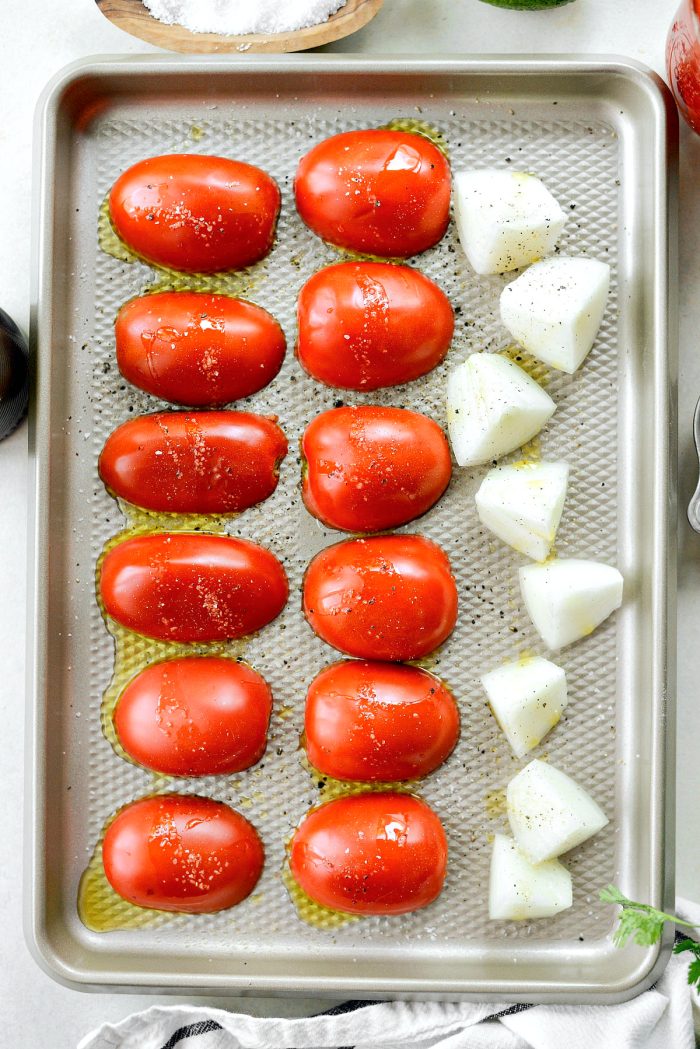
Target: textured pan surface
x,y
578,150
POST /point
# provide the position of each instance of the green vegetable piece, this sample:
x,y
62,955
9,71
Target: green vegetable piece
x,y
645,924
694,968
527,5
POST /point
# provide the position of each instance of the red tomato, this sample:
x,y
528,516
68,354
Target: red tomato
x,y
378,722
389,597
379,192
186,586
199,462
194,717
180,853
197,349
371,468
194,213
371,854
364,325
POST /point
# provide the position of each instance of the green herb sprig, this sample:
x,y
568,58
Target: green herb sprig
x,y
644,924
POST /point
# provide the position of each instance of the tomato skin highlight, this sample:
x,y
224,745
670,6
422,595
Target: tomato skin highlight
x,y
389,597
371,468
371,854
195,213
185,586
197,349
194,462
378,722
368,325
195,716
377,191
181,853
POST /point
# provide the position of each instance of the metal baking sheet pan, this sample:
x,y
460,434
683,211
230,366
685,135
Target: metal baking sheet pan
x,y
601,134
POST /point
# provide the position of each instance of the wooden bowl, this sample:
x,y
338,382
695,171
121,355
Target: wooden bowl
x,y
134,18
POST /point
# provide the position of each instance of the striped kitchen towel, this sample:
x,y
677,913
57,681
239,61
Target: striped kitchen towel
x,y
660,1018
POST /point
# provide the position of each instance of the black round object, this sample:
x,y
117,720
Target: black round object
x,y
14,375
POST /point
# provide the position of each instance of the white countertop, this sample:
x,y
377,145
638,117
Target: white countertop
x,y
41,36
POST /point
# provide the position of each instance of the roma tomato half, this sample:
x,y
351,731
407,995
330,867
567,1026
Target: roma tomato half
x,y
194,213
371,854
189,586
378,722
390,597
192,348
179,853
196,716
378,192
196,462
366,325
371,468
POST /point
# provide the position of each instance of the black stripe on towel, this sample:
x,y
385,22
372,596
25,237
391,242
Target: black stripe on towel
x,y
206,1026
510,1011
348,1007
191,1031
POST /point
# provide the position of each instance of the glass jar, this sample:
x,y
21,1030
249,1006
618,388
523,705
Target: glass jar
x,y
683,61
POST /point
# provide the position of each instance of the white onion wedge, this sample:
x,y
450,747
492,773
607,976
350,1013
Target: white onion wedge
x,y
493,407
549,813
522,504
527,699
519,890
554,309
505,219
567,598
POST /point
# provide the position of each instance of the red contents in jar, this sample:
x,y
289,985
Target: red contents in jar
x,y
683,61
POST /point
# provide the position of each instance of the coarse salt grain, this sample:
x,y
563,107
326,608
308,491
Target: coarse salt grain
x,y
236,17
